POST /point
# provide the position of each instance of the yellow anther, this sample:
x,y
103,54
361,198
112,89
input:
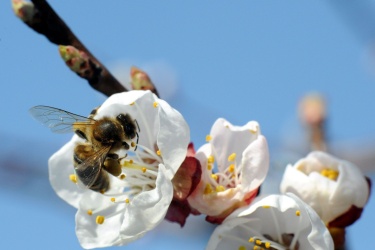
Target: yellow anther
x,y
241,248
232,157
266,206
211,159
208,138
131,161
158,153
208,189
144,170
298,213
99,219
258,242
73,178
209,167
214,176
220,188
231,168
131,104
253,131
251,239
155,104
330,173
267,244
127,201
89,212
256,248
102,191
113,199
122,176
132,144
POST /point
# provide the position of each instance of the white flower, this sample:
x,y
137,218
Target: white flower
x,y
242,159
273,222
139,197
330,186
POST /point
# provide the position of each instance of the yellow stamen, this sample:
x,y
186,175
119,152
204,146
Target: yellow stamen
x,y
208,189
100,219
231,168
214,176
267,244
73,178
131,104
155,104
209,167
256,248
266,206
144,170
241,248
298,213
251,239
208,138
122,176
89,212
132,144
127,201
253,131
102,191
220,188
258,242
232,157
330,173
113,199
211,159
131,161
158,153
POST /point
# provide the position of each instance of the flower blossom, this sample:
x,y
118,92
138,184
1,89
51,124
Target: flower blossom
x,y
242,160
273,222
139,197
334,188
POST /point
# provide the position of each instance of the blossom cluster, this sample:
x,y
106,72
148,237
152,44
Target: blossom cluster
x,y
160,176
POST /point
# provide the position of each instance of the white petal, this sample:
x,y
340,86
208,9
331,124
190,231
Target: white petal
x,y
93,235
147,209
228,139
60,168
255,164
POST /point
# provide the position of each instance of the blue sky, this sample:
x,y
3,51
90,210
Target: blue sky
x,y
249,60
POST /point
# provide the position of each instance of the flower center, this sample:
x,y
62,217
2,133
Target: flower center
x,y
258,241
222,181
330,174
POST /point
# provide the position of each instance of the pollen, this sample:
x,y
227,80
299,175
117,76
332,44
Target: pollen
x,y
122,176
155,104
131,104
102,191
73,178
113,199
211,159
127,201
208,138
298,213
208,189
131,161
132,144
144,170
241,248
158,153
330,174
266,206
214,176
232,157
209,167
99,219
220,188
251,239
231,168
89,212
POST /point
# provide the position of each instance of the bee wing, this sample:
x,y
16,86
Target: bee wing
x,y
58,120
89,170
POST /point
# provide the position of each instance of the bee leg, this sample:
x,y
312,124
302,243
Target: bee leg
x,y
126,145
113,166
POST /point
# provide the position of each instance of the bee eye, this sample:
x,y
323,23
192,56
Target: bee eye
x,y
81,134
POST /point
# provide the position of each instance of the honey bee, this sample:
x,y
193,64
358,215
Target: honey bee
x,y
96,157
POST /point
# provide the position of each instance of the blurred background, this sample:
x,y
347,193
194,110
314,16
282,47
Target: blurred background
x,y
249,60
